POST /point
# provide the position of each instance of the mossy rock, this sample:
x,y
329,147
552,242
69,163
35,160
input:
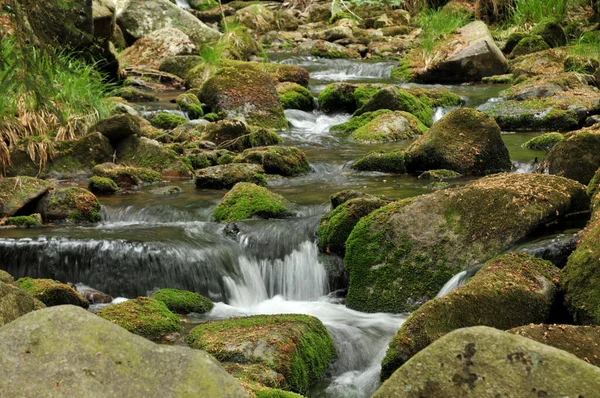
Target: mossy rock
x,y
102,185
17,192
51,292
592,189
5,277
183,301
465,140
498,79
509,291
132,94
532,115
180,65
528,45
190,104
296,348
339,198
236,135
552,33
246,200
392,269
512,41
34,220
389,126
14,302
245,93
168,121
544,142
239,43
203,5
227,175
282,160
338,97
356,122
336,226
325,49
117,127
295,96
125,176
71,205
144,316
471,362
581,341
577,63
540,63
382,160
575,157
144,152
435,97
439,174
398,100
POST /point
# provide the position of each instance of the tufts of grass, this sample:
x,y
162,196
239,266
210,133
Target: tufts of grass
x,y
535,11
587,45
438,23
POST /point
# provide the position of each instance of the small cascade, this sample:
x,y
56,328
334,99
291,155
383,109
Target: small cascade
x,y
312,127
524,167
441,111
182,3
118,217
458,280
555,249
332,70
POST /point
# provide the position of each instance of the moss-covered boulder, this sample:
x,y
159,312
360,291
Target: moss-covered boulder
x,y
465,140
227,175
540,63
51,292
168,121
295,96
398,100
325,49
236,135
72,205
580,64
512,41
482,361
183,301
288,352
33,220
575,157
17,192
128,365
335,226
150,50
400,255
247,94
102,185
125,176
382,160
144,152
544,142
180,65
189,103
246,200
528,45
282,160
143,316
132,94
389,126
439,174
14,302
358,121
5,277
257,17
552,33
342,197
509,291
117,127
581,341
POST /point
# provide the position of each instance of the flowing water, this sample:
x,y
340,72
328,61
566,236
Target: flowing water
x,y
147,241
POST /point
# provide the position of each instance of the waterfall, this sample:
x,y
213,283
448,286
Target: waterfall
x,y
332,70
312,127
458,280
182,3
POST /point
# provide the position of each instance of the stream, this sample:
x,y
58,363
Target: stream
x,y
147,241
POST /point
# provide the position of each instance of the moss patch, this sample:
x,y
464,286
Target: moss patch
x,y
285,161
183,301
189,103
398,100
381,160
167,121
246,200
124,176
389,126
34,220
295,96
51,292
102,185
72,204
544,142
226,176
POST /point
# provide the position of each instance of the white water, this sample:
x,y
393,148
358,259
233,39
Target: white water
x,y
454,282
312,127
182,3
334,70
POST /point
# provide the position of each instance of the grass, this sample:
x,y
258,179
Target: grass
x,y
535,11
437,23
587,45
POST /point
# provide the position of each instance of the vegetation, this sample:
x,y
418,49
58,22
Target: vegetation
x,y
183,302
247,200
437,24
51,292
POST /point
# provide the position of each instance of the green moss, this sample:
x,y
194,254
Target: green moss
x,y
168,121
338,97
203,5
134,95
285,161
592,188
102,185
246,200
225,159
389,126
33,220
404,71
533,115
51,292
358,121
189,103
398,100
263,392
296,347
228,175
498,79
364,93
439,174
72,204
180,65
183,301
143,316
145,153
551,32
215,117
544,142
576,156
199,161
125,176
512,41
381,160
435,97
530,44
295,96
341,197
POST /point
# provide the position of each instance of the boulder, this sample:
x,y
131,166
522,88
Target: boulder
x,y
544,142
383,161
246,200
295,96
5,277
339,198
144,152
257,17
183,302
14,302
439,174
190,104
335,226
151,50
180,65
468,55
401,255
51,292
168,120
396,99
288,352
483,362
540,63
282,160
90,349
17,192
575,157
389,126
245,94
125,176
465,140
325,49
529,44
509,291
581,341
139,18
552,33
227,175
338,97
71,205
33,220
117,127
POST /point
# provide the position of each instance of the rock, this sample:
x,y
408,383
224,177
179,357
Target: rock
x,y
338,97
125,176
398,100
592,120
334,33
439,174
247,200
552,33
17,192
180,65
132,94
144,152
168,190
288,352
528,45
402,254
249,95
190,104
389,126
576,63
335,226
575,157
227,175
183,302
92,295
236,135
339,198
257,17
144,316
359,121
325,49
5,277
151,50
295,96
383,161
34,220
72,205
539,63
282,160
512,41
581,341
531,115
51,292
544,142
14,302
465,140
167,120
80,340
509,291
468,55
73,159
482,361
139,18
102,185
117,127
